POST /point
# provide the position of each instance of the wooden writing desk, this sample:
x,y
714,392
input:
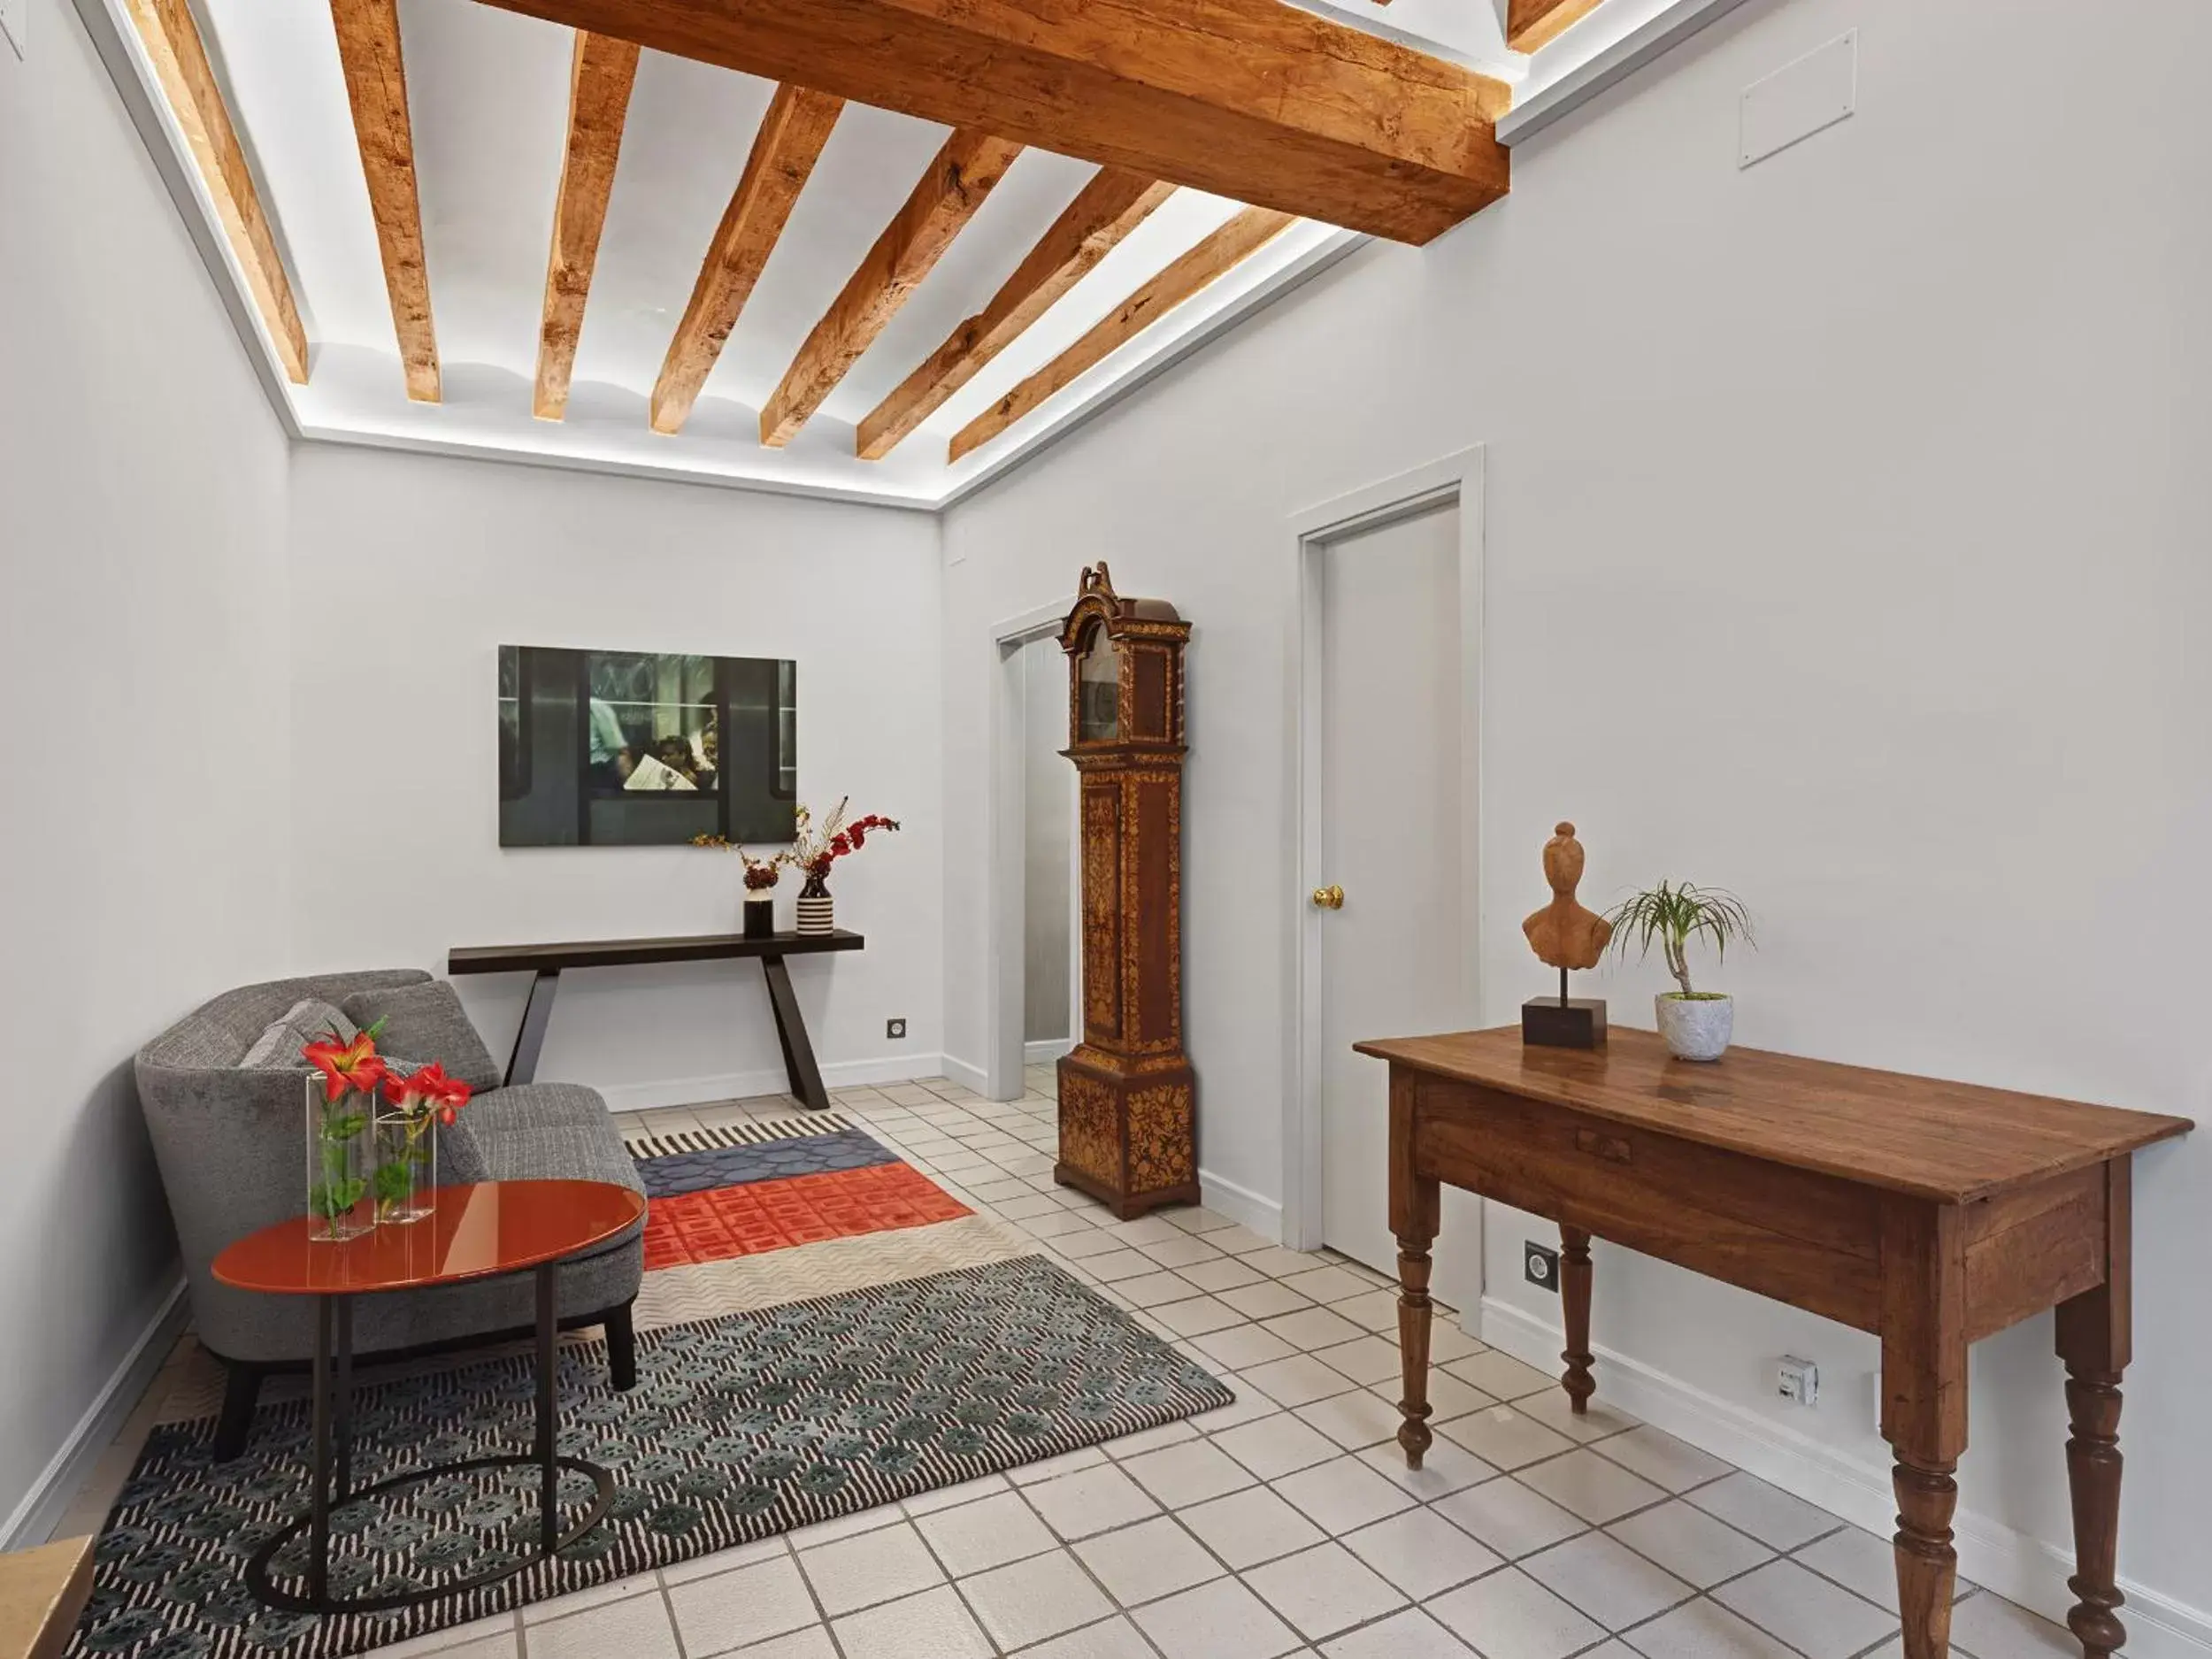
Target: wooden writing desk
x,y
545,964
1932,1214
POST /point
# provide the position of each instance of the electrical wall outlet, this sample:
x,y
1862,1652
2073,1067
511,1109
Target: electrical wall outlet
x,y
1540,1266
895,1029
1797,1381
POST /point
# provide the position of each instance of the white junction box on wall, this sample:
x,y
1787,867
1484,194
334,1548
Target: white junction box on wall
x,y
1798,100
1797,1381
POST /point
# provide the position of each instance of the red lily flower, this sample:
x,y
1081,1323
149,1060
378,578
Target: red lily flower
x,y
346,1065
402,1089
449,1094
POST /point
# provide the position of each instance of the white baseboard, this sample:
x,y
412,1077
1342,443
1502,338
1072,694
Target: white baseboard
x,y
972,1078
697,1091
1264,1216
58,1483
1046,1052
1998,1557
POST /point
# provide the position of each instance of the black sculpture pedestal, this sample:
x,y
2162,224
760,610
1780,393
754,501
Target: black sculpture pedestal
x,y
1564,1021
1549,1022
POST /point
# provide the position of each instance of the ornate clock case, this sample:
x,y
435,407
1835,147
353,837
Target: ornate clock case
x,y
1128,1105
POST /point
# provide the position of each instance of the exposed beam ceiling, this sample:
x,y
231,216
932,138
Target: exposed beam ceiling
x,y
600,75
1242,236
784,152
1531,25
1252,99
961,176
376,84
1106,210
173,43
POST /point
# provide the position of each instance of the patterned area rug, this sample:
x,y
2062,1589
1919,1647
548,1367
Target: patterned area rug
x,y
863,1361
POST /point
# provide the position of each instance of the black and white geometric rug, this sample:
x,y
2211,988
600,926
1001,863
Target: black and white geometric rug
x,y
741,1426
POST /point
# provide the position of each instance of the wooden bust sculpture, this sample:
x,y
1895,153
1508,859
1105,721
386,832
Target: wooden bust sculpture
x,y
1128,1124
1564,935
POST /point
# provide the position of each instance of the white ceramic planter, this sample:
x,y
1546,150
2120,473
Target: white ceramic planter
x,y
1696,1027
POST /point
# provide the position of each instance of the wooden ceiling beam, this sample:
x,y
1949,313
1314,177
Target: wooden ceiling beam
x,y
1106,210
1533,24
1251,99
376,86
784,152
601,73
963,174
1237,240
172,44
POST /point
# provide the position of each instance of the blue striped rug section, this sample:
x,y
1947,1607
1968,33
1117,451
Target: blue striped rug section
x,y
752,1133
681,1172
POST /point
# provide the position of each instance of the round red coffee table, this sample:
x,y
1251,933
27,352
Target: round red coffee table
x,y
472,1232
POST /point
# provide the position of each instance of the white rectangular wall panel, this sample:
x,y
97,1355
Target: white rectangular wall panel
x,y
1800,99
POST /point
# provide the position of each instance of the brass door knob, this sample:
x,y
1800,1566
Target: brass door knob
x,y
1328,898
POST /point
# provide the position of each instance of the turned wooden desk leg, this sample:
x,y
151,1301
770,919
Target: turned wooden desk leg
x,y
1927,1565
1575,1278
1924,1408
1413,1213
2095,1337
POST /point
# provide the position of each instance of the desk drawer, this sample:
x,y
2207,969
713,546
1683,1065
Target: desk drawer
x,y
1804,1239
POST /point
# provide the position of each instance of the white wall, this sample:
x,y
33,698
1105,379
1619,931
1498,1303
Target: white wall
x,y
1047,846
411,571
143,849
1846,539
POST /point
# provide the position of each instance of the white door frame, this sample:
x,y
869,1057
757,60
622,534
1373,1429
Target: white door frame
x,y
1456,478
1005,850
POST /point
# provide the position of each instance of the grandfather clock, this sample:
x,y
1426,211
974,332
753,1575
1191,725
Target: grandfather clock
x,y
1128,1125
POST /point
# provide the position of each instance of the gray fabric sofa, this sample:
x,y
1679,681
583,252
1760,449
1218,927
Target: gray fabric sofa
x,y
230,1145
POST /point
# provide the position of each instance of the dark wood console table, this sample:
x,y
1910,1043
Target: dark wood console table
x,y
1932,1214
547,961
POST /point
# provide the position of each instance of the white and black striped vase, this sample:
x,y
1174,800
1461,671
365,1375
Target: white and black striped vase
x,y
818,912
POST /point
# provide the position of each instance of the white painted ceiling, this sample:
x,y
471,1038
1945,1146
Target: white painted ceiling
x,y
488,90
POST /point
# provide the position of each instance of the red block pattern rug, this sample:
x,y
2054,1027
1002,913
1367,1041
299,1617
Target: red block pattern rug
x,y
770,1211
713,1225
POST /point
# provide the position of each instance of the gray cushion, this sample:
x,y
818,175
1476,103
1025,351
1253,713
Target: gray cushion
x,y
537,1106
464,1145
562,1154
424,1023
277,1048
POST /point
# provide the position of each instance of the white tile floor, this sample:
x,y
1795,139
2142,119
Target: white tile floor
x,y
1284,1523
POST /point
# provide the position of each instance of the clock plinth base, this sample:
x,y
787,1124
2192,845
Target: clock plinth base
x,y
1128,1131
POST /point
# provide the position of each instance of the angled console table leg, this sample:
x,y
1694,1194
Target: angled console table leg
x,y
522,1065
798,1052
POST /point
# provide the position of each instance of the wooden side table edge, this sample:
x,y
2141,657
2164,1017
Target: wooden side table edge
x,y
42,1591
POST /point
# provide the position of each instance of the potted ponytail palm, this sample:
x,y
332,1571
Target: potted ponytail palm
x,y
1697,1025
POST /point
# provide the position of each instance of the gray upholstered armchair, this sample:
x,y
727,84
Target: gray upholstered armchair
x,y
230,1143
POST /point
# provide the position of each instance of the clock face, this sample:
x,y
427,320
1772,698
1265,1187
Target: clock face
x,y
1098,689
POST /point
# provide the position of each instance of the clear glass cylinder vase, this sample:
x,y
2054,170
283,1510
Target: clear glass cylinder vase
x,y
338,1163
406,1177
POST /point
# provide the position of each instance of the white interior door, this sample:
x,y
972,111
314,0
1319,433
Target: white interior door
x,y
1390,801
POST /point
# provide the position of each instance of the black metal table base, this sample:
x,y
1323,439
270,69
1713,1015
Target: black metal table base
x,y
333,1456
801,1070
258,1580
